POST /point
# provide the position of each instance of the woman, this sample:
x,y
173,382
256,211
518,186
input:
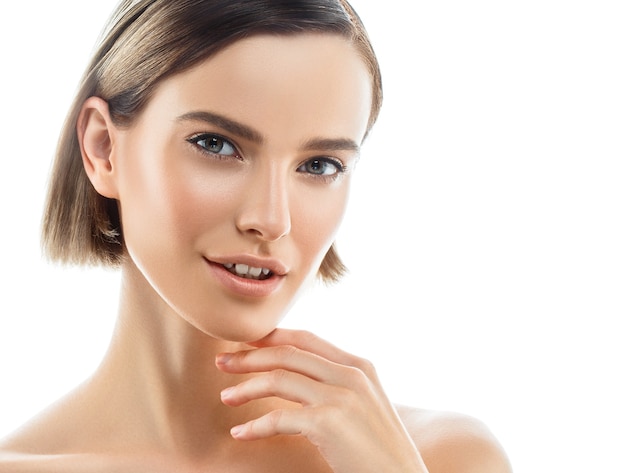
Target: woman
x,y
208,154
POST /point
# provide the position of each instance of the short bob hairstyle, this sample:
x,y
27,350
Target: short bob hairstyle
x,y
145,42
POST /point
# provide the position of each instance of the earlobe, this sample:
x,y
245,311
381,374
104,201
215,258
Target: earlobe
x,y
96,134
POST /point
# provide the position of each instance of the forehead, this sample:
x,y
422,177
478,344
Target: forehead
x,y
307,83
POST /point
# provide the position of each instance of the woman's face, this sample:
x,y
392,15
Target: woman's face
x,y
233,180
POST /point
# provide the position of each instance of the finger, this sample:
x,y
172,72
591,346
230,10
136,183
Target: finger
x,y
310,342
278,383
295,360
305,341
278,422
285,357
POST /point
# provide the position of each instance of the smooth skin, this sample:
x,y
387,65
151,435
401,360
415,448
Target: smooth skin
x,y
246,158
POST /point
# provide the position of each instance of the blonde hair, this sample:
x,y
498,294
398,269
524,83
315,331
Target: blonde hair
x,y
144,42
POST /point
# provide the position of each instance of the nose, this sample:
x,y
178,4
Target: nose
x,y
265,212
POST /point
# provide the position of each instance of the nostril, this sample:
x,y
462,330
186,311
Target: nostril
x,y
266,227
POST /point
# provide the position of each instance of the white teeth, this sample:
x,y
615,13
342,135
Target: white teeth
x,y
245,271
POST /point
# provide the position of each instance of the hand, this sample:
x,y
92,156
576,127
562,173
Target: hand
x,y
345,412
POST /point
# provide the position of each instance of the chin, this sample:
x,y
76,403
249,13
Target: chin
x,y
240,335
234,329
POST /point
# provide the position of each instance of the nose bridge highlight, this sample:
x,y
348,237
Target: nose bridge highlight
x,y
265,210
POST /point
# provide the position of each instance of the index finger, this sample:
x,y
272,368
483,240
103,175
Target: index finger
x,y
312,343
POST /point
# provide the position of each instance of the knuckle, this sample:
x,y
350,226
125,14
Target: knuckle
x,y
274,419
358,379
362,363
327,418
278,376
287,351
241,357
366,367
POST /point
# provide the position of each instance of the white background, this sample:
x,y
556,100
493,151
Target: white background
x,y
485,234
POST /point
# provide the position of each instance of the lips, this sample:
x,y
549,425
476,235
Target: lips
x,y
248,275
248,272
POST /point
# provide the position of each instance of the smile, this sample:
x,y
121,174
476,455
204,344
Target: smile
x,y
248,272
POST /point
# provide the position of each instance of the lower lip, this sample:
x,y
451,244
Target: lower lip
x,y
245,287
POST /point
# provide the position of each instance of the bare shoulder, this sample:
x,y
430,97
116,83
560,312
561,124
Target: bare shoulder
x,y
26,459
44,434
18,462
454,443
42,444
25,451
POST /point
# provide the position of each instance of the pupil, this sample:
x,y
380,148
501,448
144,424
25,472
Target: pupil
x,y
215,144
316,166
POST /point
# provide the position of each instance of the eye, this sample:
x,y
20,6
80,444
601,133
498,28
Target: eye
x,y
327,167
214,144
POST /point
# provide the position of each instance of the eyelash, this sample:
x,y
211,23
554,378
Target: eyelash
x,y
338,165
324,160
200,137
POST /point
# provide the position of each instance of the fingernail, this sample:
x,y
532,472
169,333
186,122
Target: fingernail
x,y
226,393
223,358
237,430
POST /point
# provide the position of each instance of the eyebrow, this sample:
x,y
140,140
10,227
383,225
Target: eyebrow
x,y
250,134
227,124
331,144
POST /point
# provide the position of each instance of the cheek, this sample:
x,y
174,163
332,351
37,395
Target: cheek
x,y
166,204
316,217
194,203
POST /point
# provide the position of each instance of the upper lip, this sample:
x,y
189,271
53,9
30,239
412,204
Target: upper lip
x,y
276,266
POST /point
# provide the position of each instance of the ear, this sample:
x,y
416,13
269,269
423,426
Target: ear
x,y
96,137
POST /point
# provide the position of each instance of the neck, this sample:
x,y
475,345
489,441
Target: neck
x,y
164,375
